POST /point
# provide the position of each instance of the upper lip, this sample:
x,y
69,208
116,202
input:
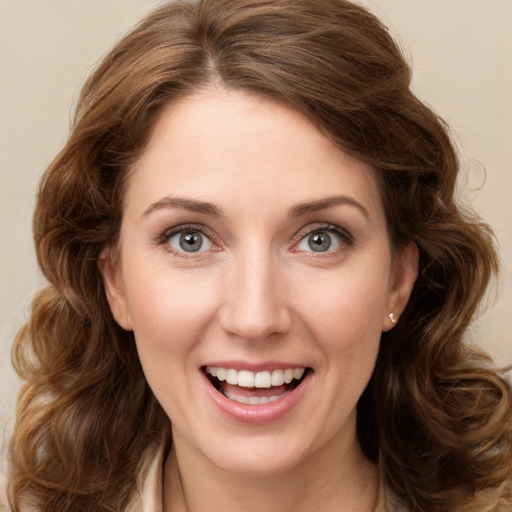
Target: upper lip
x,y
255,367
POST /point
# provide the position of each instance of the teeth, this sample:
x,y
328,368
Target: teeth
x,y
248,379
232,377
262,380
288,376
298,373
277,378
245,379
253,400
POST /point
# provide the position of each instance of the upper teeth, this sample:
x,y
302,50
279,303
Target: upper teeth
x,y
248,379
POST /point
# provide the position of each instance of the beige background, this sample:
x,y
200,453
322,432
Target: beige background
x,y
462,56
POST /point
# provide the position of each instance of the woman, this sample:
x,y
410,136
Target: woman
x,y
260,282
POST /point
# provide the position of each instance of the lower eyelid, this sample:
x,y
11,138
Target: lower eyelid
x,y
206,244
166,236
344,236
339,241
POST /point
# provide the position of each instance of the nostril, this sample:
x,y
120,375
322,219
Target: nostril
x,y
257,327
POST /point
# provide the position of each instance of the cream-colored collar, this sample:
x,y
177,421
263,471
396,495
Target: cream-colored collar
x,y
148,496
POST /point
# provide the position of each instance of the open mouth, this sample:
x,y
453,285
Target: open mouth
x,y
255,388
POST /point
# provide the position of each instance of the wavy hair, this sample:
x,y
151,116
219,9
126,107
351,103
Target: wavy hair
x,y
434,413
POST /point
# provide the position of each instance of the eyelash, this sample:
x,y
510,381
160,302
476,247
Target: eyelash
x,y
183,228
346,238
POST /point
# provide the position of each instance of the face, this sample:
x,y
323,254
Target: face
x,y
255,269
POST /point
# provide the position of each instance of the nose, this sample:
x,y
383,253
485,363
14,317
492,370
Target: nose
x,y
254,303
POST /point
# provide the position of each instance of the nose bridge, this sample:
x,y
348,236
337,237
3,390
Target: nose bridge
x,y
254,302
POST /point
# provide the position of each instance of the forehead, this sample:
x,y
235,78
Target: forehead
x,y
221,146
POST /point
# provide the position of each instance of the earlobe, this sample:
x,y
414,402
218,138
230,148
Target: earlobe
x,y
403,277
109,268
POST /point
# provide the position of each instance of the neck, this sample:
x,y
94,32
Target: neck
x,y
346,483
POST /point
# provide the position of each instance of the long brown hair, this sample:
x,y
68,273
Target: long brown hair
x,y
435,414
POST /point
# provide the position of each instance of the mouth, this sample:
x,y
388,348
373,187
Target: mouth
x,y
255,388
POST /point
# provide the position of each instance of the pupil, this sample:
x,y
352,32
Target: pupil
x,y
191,242
319,242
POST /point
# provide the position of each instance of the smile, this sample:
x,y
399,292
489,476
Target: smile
x,y
248,379
254,388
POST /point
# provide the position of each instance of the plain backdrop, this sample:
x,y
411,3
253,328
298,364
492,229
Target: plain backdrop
x,y
461,51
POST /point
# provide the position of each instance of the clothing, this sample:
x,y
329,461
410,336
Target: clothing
x,y
148,496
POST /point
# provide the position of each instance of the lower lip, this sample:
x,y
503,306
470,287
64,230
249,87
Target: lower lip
x,y
261,413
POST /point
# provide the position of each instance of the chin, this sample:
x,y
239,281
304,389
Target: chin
x,y
272,452
262,462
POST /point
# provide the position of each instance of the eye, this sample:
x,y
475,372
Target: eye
x,y
319,242
189,240
325,239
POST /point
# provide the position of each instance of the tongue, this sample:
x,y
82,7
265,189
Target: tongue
x,y
257,392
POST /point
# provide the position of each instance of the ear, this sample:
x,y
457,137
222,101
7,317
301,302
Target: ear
x,y
403,275
110,269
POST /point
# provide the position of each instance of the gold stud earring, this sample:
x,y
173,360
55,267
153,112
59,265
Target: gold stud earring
x,y
393,319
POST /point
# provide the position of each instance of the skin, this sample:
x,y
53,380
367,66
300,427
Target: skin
x,y
256,292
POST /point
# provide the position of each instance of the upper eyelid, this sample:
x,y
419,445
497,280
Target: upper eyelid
x,y
180,228
164,239
326,226
297,237
347,240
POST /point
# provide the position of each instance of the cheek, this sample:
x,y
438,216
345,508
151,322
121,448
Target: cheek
x,y
168,309
346,322
344,313
169,316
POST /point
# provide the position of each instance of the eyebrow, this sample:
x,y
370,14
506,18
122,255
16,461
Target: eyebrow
x,y
298,210
309,207
187,204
